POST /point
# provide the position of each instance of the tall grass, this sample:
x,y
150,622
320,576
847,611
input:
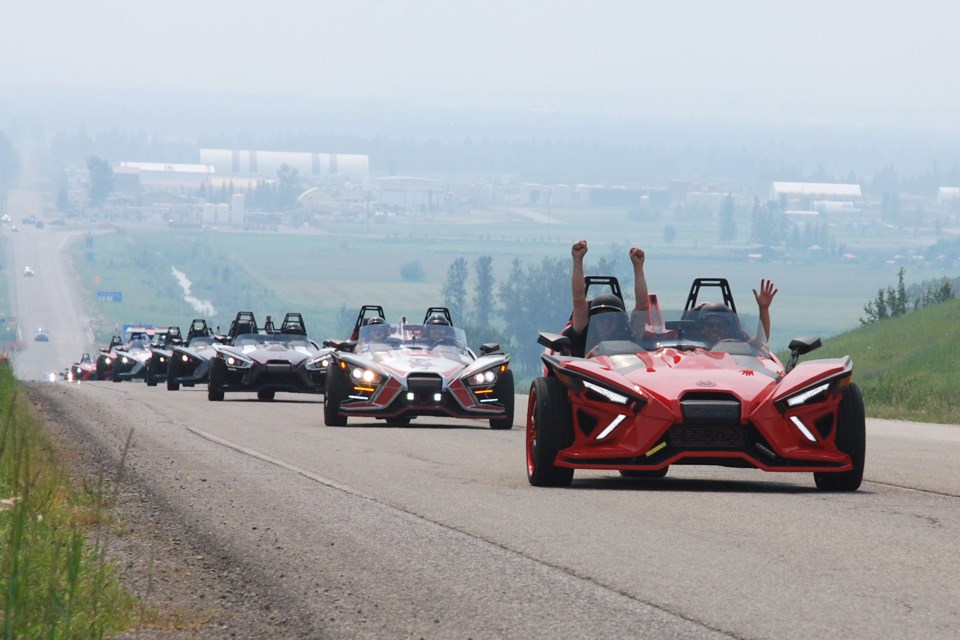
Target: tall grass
x,y
55,583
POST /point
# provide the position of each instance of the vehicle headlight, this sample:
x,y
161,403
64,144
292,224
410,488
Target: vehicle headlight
x,y
236,362
319,364
817,393
596,392
366,376
482,378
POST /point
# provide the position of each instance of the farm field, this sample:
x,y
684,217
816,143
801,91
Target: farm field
x,y
323,271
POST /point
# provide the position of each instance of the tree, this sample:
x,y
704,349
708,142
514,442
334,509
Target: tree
x,y
669,233
101,179
728,226
483,300
455,289
412,271
9,163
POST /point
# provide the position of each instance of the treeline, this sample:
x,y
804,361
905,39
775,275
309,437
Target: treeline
x,y
534,297
892,302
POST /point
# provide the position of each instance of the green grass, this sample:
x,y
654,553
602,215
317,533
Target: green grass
x,y
906,366
53,575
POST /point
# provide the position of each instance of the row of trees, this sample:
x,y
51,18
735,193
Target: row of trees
x,y
534,297
892,302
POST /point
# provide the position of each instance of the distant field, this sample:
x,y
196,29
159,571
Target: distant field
x,y
317,272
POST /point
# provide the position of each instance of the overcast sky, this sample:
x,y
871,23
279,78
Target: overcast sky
x,y
854,62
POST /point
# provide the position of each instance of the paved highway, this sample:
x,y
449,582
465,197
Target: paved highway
x,y
432,530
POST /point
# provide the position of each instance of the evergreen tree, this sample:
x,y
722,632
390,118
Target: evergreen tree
x,y
455,290
728,226
483,301
101,179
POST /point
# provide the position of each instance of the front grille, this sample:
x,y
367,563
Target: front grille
x,y
706,436
279,368
709,408
425,383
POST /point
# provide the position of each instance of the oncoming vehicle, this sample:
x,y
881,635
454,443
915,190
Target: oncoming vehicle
x,y
158,362
83,369
267,360
397,372
189,362
695,390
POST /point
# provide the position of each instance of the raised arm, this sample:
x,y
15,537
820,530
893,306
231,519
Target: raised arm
x,y
641,307
764,299
578,288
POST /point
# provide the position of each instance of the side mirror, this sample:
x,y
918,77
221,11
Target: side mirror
x,y
800,346
557,342
489,347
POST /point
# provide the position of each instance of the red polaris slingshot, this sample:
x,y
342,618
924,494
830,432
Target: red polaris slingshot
x,y
681,395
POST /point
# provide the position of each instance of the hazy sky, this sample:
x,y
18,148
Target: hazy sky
x,y
862,61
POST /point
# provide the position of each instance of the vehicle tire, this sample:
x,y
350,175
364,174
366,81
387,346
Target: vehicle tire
x,y
851,438
334,393
173,372
549,429
504,392
266,396
637,473
100,371
217,377
150,375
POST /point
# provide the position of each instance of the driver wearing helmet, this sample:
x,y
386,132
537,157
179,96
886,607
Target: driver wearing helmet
x,y
587,311
437,330
375,331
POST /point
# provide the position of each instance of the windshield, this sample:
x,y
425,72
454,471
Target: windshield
x,y
386,337
288,340
717,330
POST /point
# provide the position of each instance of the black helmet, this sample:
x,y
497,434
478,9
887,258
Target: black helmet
x,y
437,318
605,302
716,311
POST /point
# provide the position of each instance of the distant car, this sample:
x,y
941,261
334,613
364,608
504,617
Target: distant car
x,y
42,335
397,372
696,390
28,271
83,369
267,360
189,362
158,362
124,358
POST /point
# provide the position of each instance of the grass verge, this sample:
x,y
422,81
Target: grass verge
x,y
55,580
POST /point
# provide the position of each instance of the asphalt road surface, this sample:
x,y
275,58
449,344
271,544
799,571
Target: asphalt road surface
x,y
431,530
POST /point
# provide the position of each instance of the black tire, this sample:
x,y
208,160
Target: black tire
x,y
266,396
218,375
100,371
504,392
654,473
851,438
549,429
334,393
173,372
150,377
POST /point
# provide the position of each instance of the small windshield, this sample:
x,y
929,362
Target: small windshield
x,y
719,331
288,340
386,337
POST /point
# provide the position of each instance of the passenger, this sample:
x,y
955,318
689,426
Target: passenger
x,y
717,322
586,311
